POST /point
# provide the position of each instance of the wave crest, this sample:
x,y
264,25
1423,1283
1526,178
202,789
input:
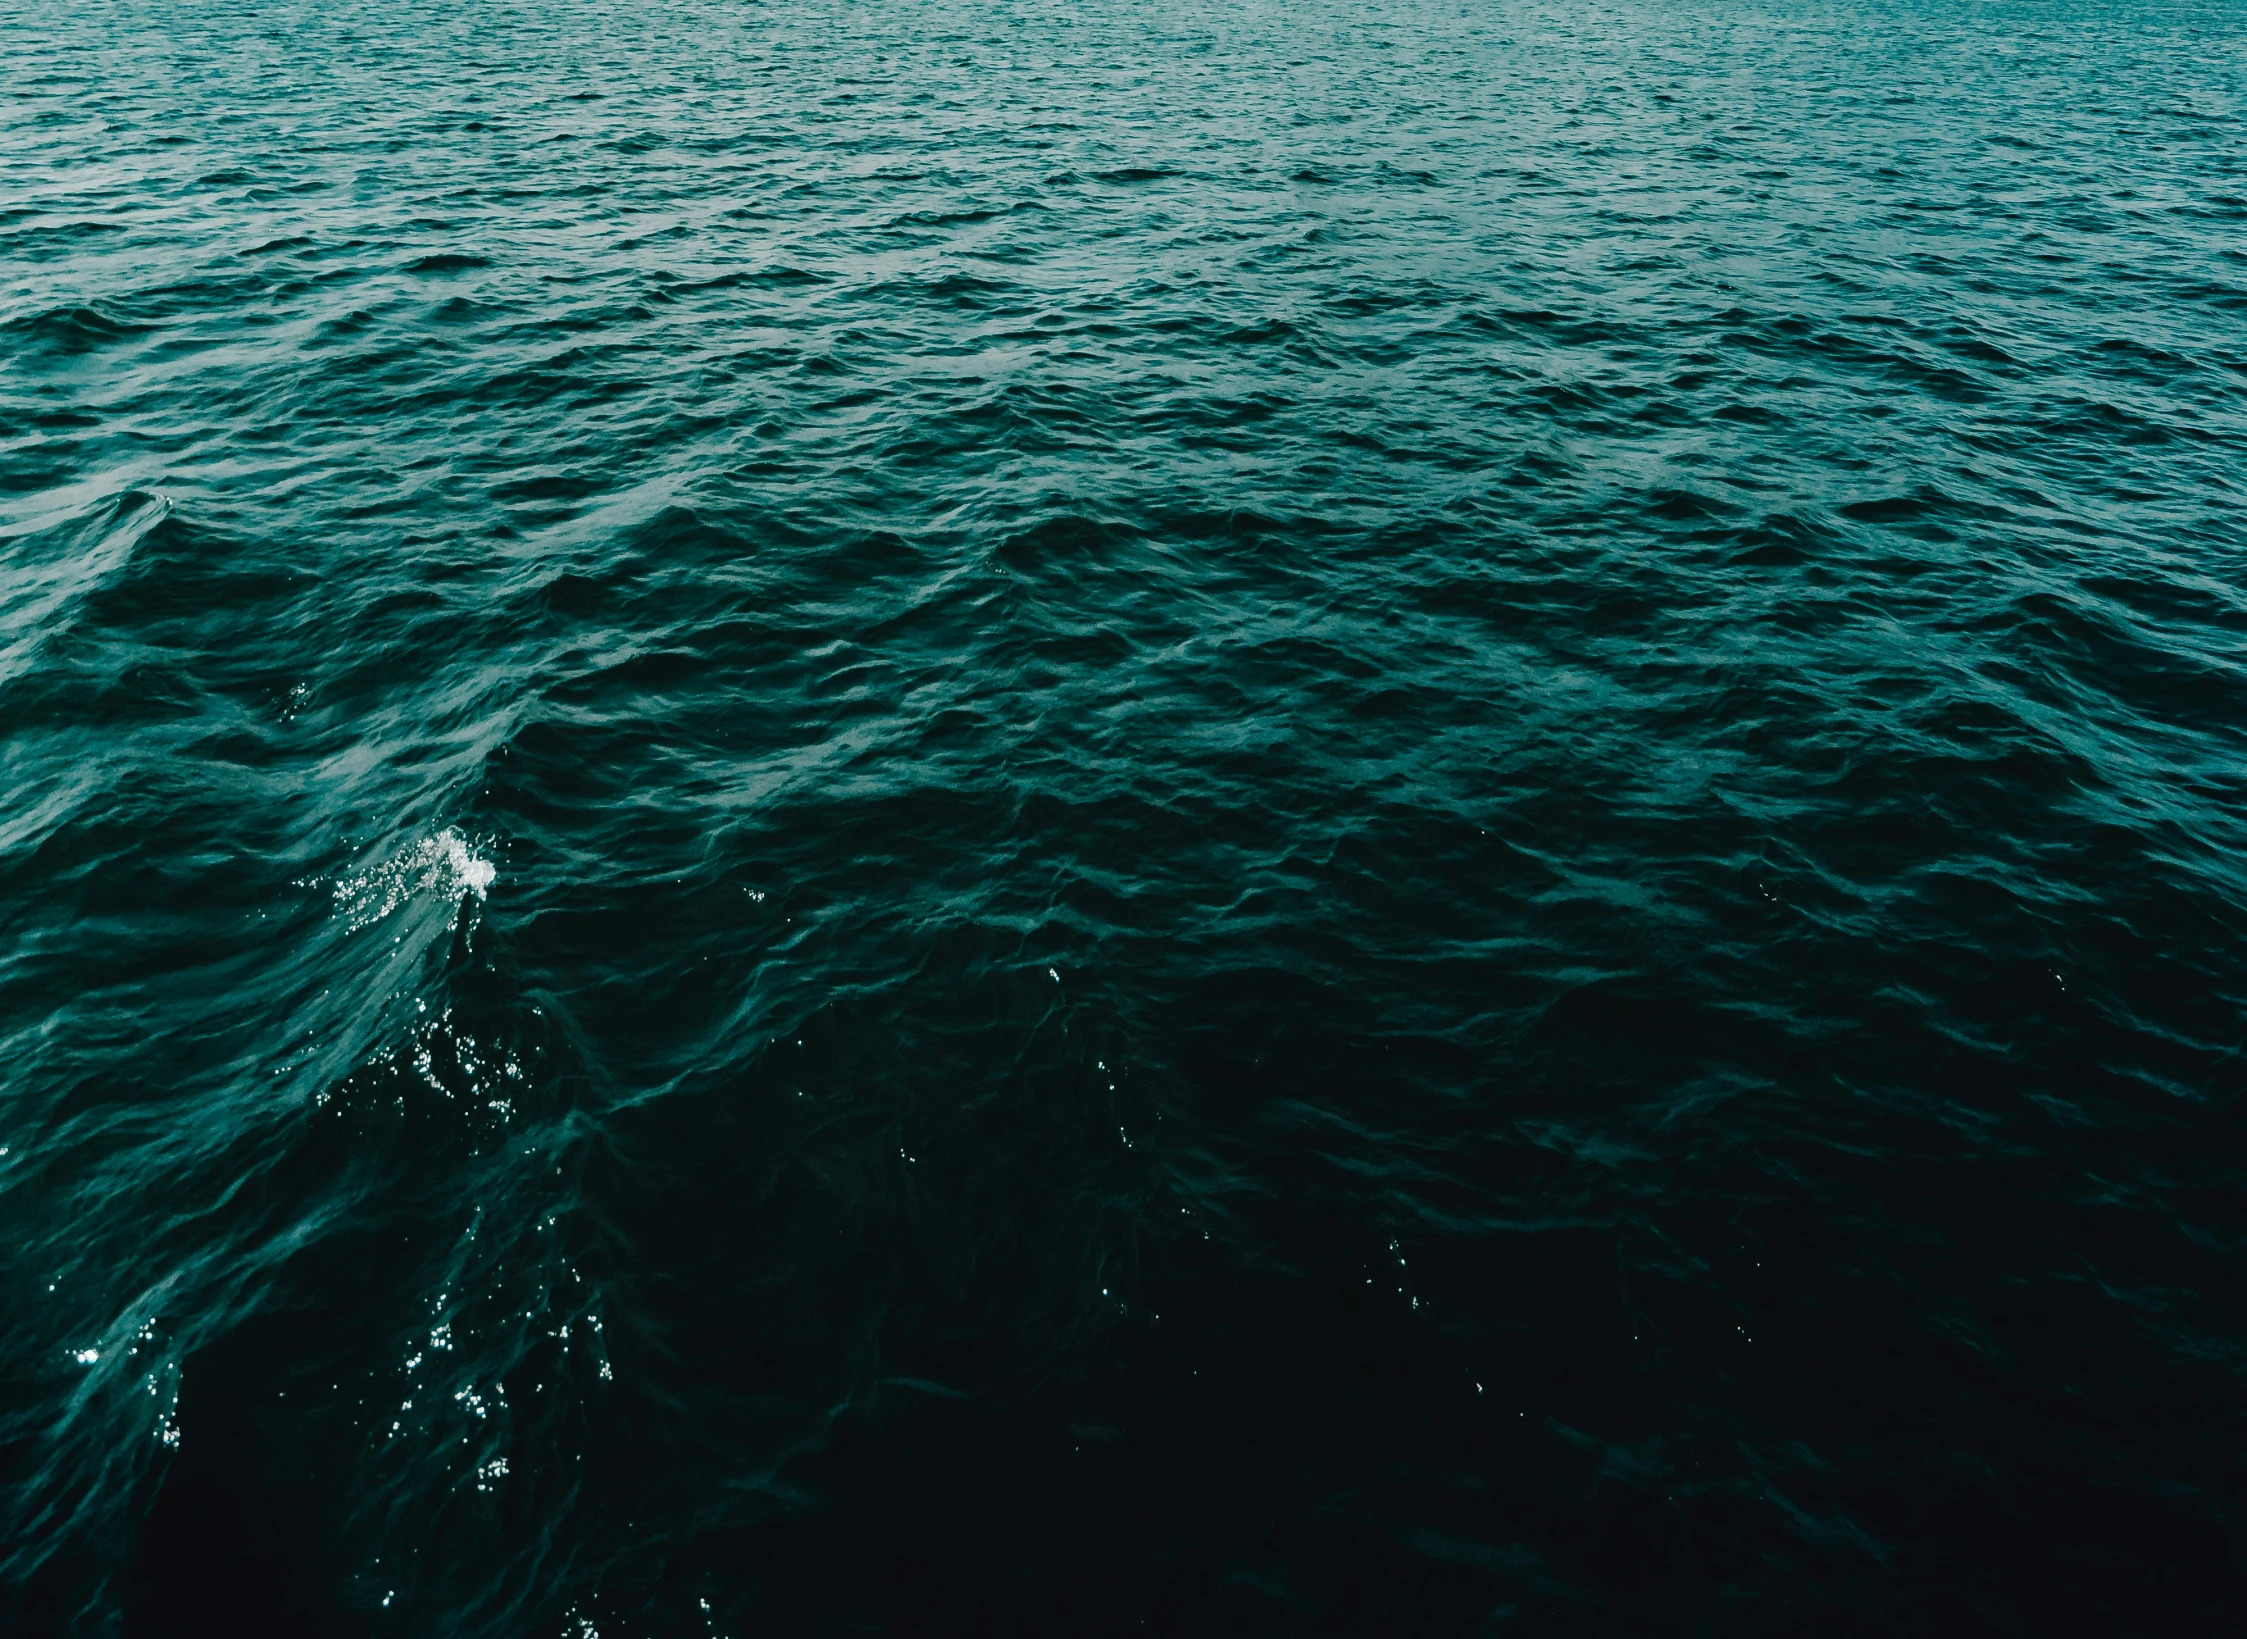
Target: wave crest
x,y
445,866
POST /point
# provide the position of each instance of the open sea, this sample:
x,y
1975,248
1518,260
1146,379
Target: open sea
x,y
1043,817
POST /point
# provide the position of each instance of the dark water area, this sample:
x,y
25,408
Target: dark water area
x,y
1070,818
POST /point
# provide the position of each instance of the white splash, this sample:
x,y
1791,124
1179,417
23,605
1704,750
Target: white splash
x,y
446,866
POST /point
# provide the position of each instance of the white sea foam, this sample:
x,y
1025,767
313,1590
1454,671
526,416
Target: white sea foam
x,y
445,866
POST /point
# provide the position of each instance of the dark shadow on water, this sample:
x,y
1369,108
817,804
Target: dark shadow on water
x,y
230,1548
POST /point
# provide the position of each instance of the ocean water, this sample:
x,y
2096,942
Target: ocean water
x,y
963,817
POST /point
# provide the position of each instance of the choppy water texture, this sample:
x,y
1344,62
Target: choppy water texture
x,y
1062,817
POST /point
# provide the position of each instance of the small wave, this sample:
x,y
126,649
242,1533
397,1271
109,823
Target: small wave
x,y
48,569
447,261
79,327
445,866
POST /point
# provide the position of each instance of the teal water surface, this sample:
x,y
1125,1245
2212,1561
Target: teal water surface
x,y
1053,818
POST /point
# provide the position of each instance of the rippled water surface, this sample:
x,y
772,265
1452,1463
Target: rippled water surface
x,y
954,817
